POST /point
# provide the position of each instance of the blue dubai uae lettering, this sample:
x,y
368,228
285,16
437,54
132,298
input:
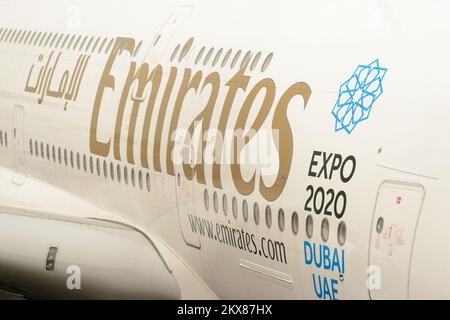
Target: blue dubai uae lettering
x,y
324,258
357,96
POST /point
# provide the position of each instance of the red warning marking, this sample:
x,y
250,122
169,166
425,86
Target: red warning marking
x,y
387,233
399,200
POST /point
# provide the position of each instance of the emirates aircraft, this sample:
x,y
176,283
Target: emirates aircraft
x,y
224,149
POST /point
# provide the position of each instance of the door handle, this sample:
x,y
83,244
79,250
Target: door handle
x,y
380,224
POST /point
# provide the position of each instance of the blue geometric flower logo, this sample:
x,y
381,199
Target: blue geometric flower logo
x,y
357,96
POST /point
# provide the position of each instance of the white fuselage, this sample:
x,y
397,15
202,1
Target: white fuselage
x,y
339,204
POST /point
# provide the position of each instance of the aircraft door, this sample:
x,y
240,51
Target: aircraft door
x,y
394,224
184,187
19,145
185,197
166,33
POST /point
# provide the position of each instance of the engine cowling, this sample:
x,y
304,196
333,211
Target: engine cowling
x,y
65,258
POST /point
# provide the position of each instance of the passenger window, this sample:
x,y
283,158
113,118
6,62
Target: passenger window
x,y
246,60
266,62
325,230
342,233
141,182
217,57
235,59
256,216
226,58
59,155
125,175
42,39
216,202
71,159
234,206
102,45
111,171
225,204
95,45
108,48
105,169
61,36
206,199
89,44
98,167
255,61
76,43
63,43
78,161
309,226
148,182
175,52
208,56
199,56
281,220
119,175
84,163
91,164
70,42
295,223
65,157
268,217
48,39
133,178
83,43
245,210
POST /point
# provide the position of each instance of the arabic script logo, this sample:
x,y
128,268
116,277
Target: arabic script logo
x,y
357,96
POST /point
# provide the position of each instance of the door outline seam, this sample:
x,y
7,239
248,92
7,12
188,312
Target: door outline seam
x,y
405,183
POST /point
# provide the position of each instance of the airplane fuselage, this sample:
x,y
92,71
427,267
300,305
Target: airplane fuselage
x,y
276,150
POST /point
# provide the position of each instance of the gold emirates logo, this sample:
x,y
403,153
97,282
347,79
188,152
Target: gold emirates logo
x,y
196,81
